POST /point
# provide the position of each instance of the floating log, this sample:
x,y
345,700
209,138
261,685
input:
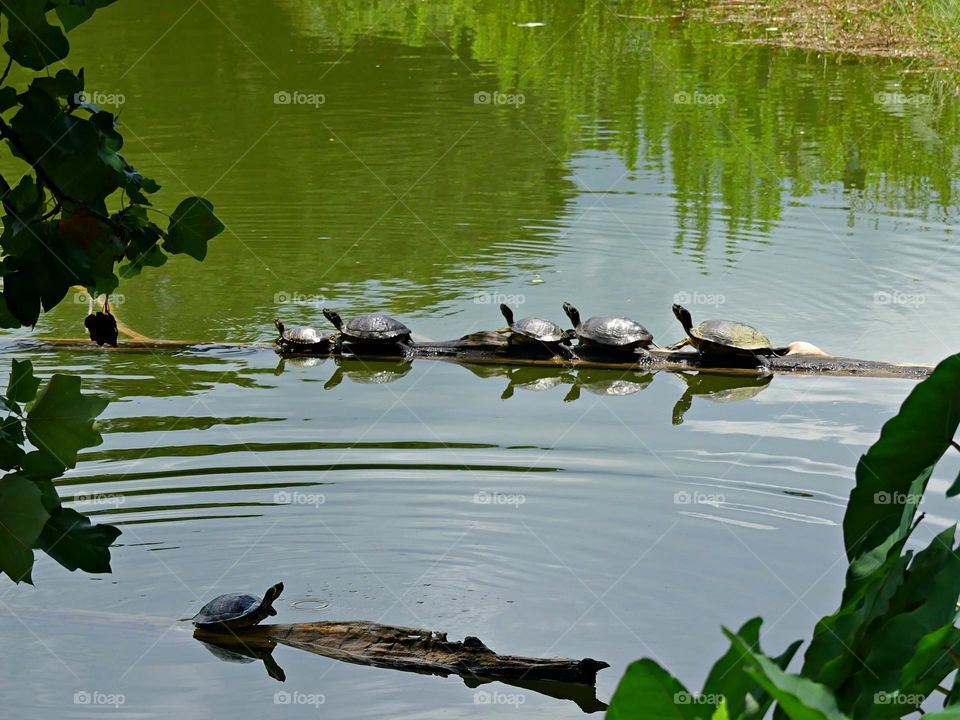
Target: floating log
x,y
490,347
412,650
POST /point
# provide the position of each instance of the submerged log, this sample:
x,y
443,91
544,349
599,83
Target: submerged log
x,y
490,347
412,650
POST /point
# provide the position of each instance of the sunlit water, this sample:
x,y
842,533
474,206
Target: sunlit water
x,y
546,513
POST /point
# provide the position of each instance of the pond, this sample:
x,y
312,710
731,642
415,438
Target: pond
x,y
433,160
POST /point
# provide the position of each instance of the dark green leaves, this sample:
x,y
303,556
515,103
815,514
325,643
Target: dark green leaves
x,y
22,387
60,421
22,517
74,542
74,12
31,40
191,226
892,476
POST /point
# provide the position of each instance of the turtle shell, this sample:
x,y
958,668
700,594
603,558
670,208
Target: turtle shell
x,y
730,334
375,327
227,608
303,336
614,331
538,329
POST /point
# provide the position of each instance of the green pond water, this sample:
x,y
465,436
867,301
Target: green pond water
x,y
462,153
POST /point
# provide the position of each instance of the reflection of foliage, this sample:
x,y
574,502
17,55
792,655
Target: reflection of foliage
x,y
58,231
58,421
778,124
57,228
893,640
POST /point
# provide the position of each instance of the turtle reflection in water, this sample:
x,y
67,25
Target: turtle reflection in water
x,y
533,379
368,372
608,382
718,388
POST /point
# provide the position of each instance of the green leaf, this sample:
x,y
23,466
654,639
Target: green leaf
x,y
65,84
11,443
22,517
192,224
798,697
60,422
74,542
8,98
22,387
729,681
648,691
32,41
892,475
74,12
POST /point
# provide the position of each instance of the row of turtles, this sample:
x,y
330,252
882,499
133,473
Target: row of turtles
x,y
610,334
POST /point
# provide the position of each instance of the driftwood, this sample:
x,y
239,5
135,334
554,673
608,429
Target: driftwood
x,y
490,348
411,650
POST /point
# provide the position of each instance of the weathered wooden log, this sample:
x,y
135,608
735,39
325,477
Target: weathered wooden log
x,y
490,347
412,650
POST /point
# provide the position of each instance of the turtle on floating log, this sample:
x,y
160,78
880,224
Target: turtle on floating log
x,y
370,332
725,339
606,333
231,621
538,333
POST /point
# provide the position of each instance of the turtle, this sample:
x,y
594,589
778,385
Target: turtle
x,y
725,338
618,334
372,331
538,332
237,610
300,339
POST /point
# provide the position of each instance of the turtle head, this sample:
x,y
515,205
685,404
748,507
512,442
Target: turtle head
x,y
683,315
507,313
572,313
333,317
270,597
279,325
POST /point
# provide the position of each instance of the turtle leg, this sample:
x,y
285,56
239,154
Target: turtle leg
x,y
643,355
763,362
678,345
566,352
